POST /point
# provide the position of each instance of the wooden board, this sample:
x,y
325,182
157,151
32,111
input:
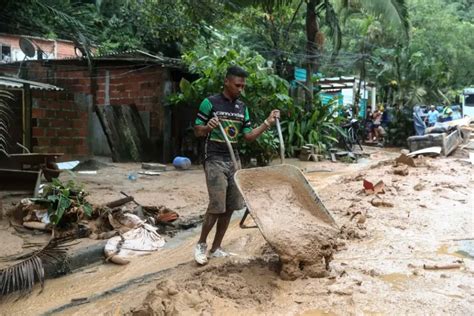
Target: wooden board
x,y
125,133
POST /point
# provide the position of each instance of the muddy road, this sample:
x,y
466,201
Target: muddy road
x,y
378,268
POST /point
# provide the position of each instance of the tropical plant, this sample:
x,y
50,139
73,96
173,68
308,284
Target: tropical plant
x,y
264,90
320,128
64,196
325,12
5,118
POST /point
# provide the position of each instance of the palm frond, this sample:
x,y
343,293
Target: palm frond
x,y
22,276
395,11
5,118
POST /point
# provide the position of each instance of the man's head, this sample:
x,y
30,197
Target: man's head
x,y
432,107
234,82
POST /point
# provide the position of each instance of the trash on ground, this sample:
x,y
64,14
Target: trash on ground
x,y
87,172
181,163
370,188
430,151
138,239
153,166
67,165
149,173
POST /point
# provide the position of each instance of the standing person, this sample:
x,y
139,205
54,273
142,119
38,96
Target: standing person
x,y
447,114
432,116
377,121
224,196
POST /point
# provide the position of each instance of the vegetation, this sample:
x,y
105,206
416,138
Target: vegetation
x,y
5,118
64,198
416,51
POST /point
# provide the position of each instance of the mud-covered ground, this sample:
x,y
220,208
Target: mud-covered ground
x,y
378,268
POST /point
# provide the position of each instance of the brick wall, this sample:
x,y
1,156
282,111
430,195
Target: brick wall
x,y
140,86
59,125
62,125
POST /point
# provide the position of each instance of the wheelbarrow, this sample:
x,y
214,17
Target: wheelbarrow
x,y
277,193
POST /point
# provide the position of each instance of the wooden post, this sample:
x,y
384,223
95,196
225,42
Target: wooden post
x,y
27,116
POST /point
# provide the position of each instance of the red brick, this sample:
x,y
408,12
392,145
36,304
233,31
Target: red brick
x,y
38,113
65,132
50,132
79,141
50,113
78,123
70,115
43,141
43,122
37,131
82,132
66,142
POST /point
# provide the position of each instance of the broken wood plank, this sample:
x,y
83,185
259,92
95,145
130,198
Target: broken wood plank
x,y
125,133
119,202
442,266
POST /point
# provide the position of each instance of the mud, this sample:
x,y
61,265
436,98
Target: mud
x,y
379,270
298,228
240,285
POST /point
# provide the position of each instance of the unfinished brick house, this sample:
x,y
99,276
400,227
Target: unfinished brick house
x,y
66,121
10,50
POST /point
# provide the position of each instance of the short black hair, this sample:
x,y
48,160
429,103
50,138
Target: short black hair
x,y
236,71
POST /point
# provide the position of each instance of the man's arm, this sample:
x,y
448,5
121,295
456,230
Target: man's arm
x,y
204,123
256,132
203,130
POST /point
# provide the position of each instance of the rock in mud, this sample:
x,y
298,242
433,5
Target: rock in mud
x,y
401,170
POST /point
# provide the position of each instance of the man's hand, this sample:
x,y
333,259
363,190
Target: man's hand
x,y
212,123
274,114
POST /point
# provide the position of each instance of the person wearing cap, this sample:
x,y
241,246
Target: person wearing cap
x,y
432,116
447,114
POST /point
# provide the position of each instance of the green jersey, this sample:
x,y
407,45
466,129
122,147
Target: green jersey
x,y
235,120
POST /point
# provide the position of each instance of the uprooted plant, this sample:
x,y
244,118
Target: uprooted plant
x,y
66,199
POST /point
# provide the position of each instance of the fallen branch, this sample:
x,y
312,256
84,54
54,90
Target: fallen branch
x,y
442,266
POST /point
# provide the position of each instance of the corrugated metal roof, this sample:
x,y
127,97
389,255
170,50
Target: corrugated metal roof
x,y
130,55
15,83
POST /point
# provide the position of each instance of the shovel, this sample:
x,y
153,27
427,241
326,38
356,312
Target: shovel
x,y
236,166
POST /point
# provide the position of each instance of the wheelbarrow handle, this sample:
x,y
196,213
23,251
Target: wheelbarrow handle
x,y
229,145
282,144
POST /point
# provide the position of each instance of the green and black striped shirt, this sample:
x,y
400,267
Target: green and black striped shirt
x,y
235,120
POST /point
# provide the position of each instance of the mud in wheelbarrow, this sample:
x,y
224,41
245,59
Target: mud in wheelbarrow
x,y
291,217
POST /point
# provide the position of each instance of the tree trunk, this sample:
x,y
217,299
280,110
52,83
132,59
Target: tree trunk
x,y
312,29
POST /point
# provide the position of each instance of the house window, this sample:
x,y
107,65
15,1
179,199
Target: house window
x,y
5,53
